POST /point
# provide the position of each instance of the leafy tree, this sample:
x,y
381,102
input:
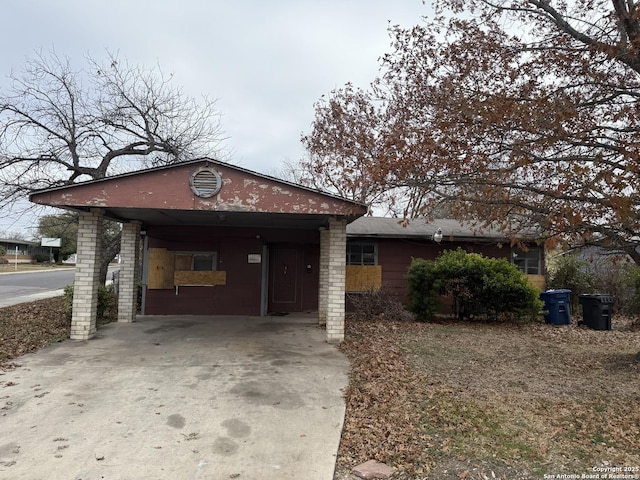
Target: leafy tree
x,y
3,251
60,125
63,226
515,112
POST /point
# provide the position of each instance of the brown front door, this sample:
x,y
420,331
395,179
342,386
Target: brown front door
x,y
284,280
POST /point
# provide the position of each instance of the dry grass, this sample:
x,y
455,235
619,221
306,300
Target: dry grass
x,y
459,400
475,401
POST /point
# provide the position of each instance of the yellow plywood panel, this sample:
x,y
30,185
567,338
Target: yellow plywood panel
x,y
362,278
161,268
537,281
183,261
200,278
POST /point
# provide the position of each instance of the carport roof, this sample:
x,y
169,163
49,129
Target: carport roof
x,y
168,195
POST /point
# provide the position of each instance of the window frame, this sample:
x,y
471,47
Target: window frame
x,y
529,262
373,255
193,255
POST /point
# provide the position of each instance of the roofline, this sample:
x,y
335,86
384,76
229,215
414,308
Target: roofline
x,y
427,236
17,241
189,162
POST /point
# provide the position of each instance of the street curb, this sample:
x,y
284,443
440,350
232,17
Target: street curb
x,y
39,271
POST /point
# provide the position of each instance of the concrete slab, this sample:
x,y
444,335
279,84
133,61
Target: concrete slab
x,y
177,398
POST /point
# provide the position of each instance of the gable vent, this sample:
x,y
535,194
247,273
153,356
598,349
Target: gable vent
x,y
205,182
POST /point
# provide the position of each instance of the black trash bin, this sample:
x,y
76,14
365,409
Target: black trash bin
x,y
556,305
596,310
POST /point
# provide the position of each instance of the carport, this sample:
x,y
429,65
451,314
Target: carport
x,y
217,239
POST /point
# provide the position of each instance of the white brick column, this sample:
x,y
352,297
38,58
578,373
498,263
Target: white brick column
x,y
128,277
336,280
87,276
323,290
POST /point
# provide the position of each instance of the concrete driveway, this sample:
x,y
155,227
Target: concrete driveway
x,y
177,398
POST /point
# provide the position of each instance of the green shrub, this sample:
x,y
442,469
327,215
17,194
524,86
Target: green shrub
x,y
479,286
569,272
107,303
41,257
423,288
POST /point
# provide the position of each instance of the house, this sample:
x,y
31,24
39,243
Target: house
x,y
216,239
379,250
18,250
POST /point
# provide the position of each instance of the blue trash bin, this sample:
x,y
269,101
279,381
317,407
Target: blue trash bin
x,y
557,306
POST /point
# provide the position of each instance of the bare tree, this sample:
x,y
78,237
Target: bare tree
x,y
60,125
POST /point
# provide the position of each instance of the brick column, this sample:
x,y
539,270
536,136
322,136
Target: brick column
x,y
87,276
129,270
324,276
336,280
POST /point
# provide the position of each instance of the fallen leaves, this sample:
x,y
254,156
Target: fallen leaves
x,y
28,326
478,401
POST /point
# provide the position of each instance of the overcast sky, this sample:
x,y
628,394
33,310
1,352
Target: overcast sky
x,y
266,62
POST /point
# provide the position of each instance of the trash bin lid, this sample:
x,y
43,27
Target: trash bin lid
x,y
601,297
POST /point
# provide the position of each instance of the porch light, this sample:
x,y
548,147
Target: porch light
x,y
437,237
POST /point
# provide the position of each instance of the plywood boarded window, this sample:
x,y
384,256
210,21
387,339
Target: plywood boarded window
x,y
161,268
198,268
363,278
537,281
363,273
168,269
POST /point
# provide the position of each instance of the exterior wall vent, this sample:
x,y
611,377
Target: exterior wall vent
x,y
205,182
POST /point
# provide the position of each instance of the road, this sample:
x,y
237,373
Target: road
x,y
28,286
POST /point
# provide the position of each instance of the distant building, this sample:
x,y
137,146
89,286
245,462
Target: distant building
x,y
21,250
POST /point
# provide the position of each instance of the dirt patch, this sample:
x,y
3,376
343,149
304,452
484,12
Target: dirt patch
x,y
475,401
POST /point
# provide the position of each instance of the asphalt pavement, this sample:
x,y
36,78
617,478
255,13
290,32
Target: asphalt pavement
x,y
22,287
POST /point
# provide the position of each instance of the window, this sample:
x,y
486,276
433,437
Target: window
x,y
527,262
196,261
362,254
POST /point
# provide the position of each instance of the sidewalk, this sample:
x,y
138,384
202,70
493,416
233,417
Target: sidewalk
x,y
31,298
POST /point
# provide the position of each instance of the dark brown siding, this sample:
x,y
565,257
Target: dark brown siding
x,y
394,255
241,294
